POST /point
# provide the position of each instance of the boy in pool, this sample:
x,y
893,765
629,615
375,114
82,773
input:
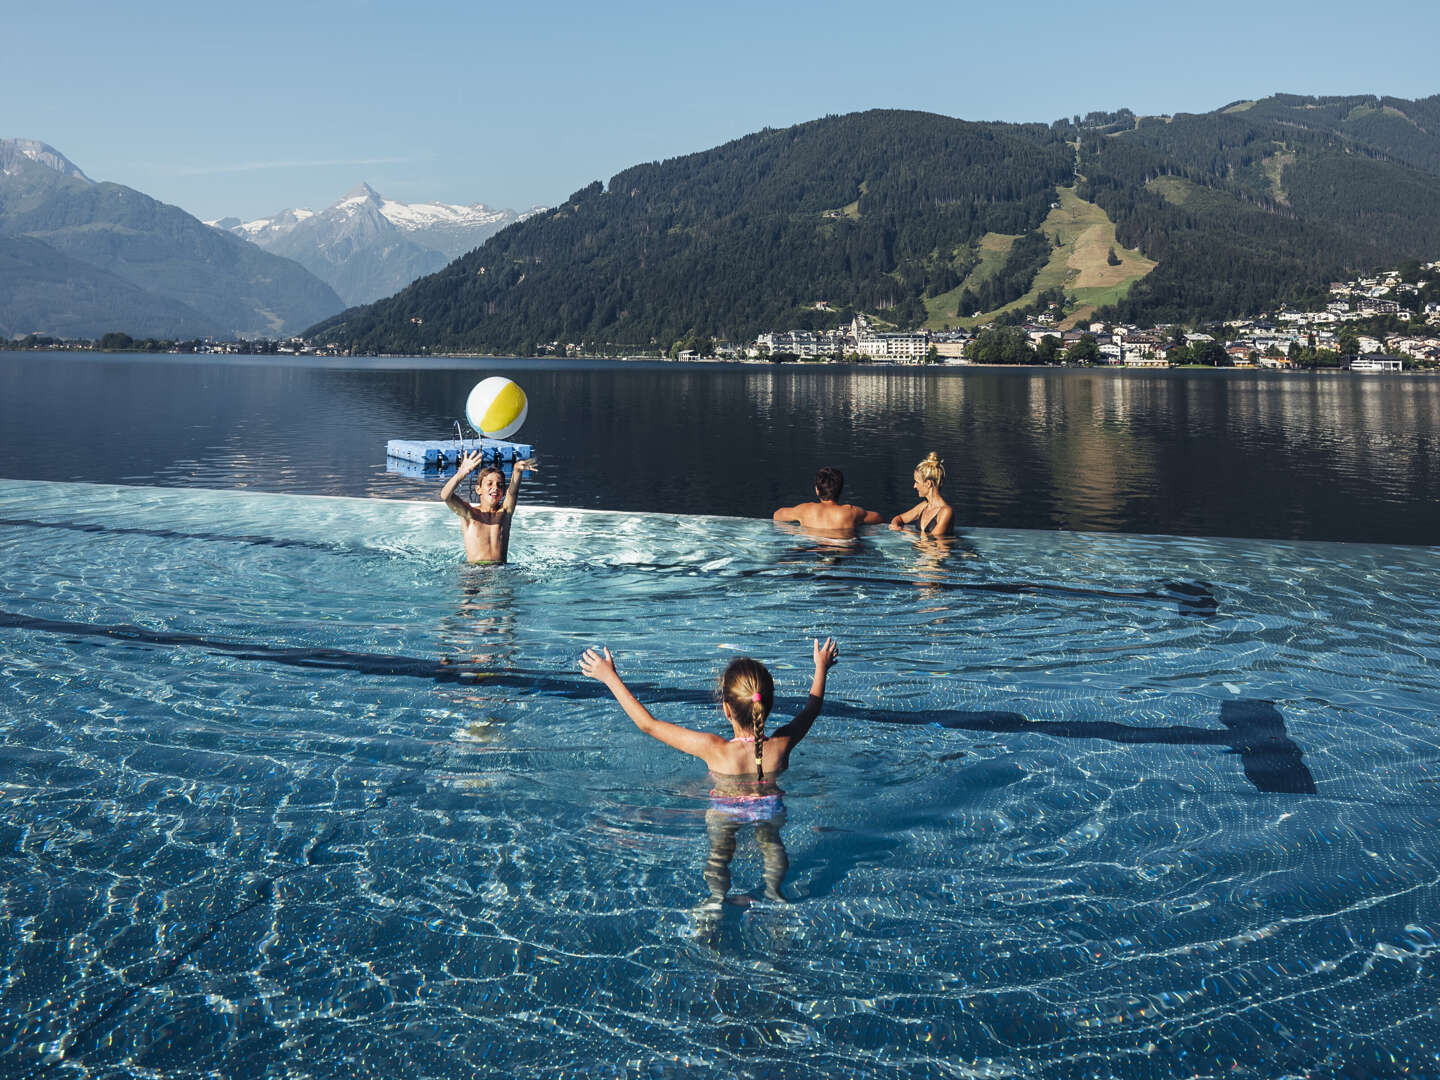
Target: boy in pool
x,y
485,525
743,767
828,517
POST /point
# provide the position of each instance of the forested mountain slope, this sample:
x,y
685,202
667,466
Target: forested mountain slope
x,y
869,210
878,211
1262,201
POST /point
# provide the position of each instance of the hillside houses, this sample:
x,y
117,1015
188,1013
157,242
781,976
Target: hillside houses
x,y
1273,340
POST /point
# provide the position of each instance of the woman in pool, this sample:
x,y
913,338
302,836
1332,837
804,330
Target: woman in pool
x,y
744,767
934,513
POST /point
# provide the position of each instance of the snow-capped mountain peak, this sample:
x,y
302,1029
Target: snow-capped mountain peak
x,y
367,246
271,227
358,196
425,215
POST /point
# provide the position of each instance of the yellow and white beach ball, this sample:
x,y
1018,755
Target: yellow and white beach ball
x,y
496,407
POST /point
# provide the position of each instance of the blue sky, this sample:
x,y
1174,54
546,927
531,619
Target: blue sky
x,y
248,109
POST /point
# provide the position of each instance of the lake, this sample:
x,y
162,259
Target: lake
x,y
1196,453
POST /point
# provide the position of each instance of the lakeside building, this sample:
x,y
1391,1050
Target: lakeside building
x,y
804,343
1147,360
898,346
1426,349
904,346
1144,350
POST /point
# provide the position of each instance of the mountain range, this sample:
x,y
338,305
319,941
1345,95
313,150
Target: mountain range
x,y
79,258
916,218
366,246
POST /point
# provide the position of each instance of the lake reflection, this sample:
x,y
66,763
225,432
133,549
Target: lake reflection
x,y
1195,453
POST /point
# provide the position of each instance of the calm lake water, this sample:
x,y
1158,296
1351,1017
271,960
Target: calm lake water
x,y
1285,456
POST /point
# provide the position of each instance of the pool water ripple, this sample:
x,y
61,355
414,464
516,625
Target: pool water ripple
x,y
290,791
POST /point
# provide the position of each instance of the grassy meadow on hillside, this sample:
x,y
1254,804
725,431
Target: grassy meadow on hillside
x,y
1084,236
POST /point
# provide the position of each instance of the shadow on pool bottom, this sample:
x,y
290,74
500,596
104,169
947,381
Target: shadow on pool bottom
x,y
1252,728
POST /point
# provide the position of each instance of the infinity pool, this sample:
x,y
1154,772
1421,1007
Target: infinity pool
x,y
288,790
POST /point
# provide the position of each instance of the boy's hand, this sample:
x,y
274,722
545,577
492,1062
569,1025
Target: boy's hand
x,y
523,465
470,462
597,666
827,654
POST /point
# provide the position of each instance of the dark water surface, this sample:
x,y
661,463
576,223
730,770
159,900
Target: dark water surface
x,y
1292,456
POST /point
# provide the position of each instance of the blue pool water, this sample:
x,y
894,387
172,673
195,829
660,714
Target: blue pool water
x,y
288,790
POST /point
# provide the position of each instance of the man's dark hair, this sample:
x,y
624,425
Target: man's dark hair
x,y
828,483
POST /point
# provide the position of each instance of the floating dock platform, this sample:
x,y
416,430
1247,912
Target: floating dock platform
x,y
437,457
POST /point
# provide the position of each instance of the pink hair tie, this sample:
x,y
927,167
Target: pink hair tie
x,y
756,698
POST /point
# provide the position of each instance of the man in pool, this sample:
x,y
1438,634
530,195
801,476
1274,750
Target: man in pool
x,y
485,525
828,517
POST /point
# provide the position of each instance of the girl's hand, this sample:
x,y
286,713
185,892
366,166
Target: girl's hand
x,y
827,654
597,666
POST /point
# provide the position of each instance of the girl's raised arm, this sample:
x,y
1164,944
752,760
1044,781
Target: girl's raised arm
x,y
600,666
826,654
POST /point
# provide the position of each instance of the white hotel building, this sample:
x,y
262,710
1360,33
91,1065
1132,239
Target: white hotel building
x,y
912,346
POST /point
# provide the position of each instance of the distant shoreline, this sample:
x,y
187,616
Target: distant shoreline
x,y
434,359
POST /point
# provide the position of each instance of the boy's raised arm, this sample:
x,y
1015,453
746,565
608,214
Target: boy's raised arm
x,y
468,464
512,492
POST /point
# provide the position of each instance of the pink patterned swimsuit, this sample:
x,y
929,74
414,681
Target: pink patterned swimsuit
x,y
762,804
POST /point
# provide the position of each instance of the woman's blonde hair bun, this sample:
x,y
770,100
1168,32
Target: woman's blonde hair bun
x,y
931,470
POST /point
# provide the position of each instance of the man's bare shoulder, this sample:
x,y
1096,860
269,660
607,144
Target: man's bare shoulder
x,y
838,515
860,516
801,512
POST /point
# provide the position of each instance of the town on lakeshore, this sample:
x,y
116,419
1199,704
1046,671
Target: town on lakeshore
x,y
1384,322
1381,322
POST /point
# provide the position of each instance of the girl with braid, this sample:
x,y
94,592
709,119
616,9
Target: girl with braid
x,y
744,768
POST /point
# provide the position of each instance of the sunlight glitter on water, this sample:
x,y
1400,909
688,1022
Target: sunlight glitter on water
x,y
288,788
